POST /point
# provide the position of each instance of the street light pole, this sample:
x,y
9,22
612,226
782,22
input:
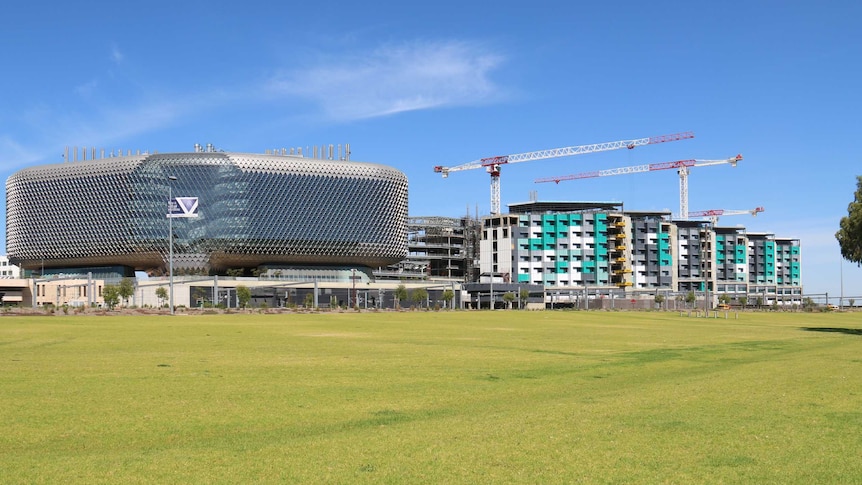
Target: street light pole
x,y
353,277
171,180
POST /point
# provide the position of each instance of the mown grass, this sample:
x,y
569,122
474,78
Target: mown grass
x,y
422,397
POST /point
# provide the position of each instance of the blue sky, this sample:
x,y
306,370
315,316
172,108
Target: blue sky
x,y
419,84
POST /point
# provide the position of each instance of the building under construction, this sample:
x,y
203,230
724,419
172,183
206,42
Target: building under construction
x,y
438,248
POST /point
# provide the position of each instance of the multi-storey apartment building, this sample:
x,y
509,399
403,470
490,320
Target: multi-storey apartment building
x,y
600,247
558,244
652,236
774,268
694,255
731,260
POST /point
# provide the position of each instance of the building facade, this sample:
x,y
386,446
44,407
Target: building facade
x,y
438,247
572,247
255,210
7,269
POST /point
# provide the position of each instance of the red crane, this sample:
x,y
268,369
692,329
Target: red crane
x,y
492,164
682,167
714,214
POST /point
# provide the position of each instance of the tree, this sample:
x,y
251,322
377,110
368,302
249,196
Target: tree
x,y
758,301
448,295
659,299
418,296
309,300
126,290
161,294
850,233
400,294
690,298
852,302
111,295
509,298
243,294
743,301
524,295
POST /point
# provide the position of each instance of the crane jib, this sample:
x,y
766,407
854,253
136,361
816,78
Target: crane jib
x,y
492,164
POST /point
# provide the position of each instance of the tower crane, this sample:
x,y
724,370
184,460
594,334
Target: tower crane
x,y
682,167
714,214
492,164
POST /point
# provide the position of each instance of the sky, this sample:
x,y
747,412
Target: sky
x,y
414,85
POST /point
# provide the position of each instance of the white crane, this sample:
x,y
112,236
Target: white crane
x,y
682,167
714,214
492,164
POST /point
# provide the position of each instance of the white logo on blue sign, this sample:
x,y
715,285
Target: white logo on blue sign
x,y
183,207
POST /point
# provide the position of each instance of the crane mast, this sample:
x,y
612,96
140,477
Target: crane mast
x,y
682,167
492,164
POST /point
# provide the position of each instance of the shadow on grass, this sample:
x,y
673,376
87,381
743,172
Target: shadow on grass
x,y
848,331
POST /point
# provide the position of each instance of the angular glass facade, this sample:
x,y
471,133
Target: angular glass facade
x,y
254,209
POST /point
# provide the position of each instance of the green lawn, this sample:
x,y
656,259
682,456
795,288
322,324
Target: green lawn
x,y
432,397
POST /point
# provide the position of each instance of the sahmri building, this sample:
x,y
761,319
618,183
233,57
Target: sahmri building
x,y
273,210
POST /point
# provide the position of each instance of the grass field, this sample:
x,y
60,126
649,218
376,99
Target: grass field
x,y
432,397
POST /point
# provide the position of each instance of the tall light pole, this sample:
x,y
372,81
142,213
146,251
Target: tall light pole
x,y
171,180
353,277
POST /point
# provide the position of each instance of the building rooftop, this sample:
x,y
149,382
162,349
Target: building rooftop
x,y
559,206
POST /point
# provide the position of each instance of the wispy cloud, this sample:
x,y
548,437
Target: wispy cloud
x,y
50,132
385,81
395,79
87,88
116,55
12,153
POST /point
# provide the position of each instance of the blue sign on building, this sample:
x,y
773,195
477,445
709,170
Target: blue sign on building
x,y
183,207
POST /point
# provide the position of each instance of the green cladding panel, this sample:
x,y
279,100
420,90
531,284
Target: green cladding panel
x,y
665,258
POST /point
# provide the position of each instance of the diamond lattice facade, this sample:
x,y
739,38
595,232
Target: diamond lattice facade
x,y
254,209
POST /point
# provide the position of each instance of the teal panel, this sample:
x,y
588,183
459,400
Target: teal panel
x,y
664,249
601,240
741,257
523,278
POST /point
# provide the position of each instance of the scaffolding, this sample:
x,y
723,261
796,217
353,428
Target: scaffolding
x,y
438,248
